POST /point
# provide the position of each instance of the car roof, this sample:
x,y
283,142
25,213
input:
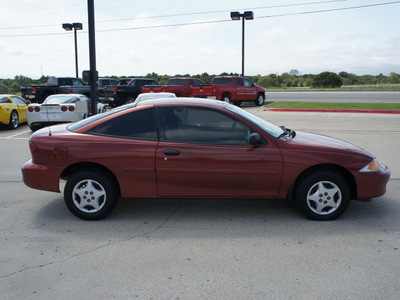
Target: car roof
x,y
180,101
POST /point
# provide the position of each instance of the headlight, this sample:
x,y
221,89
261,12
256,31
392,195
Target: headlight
x,y
373,166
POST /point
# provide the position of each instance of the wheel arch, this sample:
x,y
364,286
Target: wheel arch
x,y
349,178
226,94
90,166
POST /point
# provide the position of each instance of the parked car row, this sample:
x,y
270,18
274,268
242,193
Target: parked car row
x,y
115,93
61,85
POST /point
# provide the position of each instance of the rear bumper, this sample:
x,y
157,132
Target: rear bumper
x,y
41,177
372,184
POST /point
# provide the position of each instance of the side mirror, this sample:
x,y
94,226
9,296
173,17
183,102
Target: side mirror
x,y
255,139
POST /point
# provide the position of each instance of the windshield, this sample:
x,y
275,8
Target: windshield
x,y
58,99
272,129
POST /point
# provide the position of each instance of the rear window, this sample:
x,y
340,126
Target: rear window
x,y
139,125
181,82
222,81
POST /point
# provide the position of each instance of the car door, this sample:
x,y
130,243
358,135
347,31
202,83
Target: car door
x,y
241,91
205,153
250,90
130,143
21,108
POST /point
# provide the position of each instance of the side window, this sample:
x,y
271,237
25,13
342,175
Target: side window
x,y
186,124
247,82
198,82
5,100
18,100
139,125
191,82
239,81
76,82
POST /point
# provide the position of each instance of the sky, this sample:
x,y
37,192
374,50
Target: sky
x,y
134,38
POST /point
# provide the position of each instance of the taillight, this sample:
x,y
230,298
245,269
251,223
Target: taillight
x,y
30,108
33,147
64,108
115,90
33,90
71,91
37,108
71,108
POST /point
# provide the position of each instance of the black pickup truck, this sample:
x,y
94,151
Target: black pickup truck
x,y
38,93
85,89
126,90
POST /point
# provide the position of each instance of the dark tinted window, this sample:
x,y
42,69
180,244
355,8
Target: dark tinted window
x,y
138,125
64,81
181,82
5,100
222,81
201,126
239,81
199,82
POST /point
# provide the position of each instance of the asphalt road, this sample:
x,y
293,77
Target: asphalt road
x,y
345,96
204,249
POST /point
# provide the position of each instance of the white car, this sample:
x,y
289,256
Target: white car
x,y
151,96
60,108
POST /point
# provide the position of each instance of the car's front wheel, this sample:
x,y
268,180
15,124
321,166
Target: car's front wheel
x,y
323,195
14,120
90,195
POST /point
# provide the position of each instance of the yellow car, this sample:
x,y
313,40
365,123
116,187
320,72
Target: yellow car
x,y
12,110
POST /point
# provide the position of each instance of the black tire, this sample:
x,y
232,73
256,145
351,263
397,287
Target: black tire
x,y
14,120
323,195
35,127
90,195
237,103
226,98
260,100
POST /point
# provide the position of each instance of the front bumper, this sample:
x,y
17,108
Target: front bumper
x,y
372,184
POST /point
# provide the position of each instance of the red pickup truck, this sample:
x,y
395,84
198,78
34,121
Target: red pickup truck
x,y
181,87
231,89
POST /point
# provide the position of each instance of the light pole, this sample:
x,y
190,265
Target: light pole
x,y
248,15
75,26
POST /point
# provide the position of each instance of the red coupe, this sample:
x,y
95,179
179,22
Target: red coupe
x,y
197,148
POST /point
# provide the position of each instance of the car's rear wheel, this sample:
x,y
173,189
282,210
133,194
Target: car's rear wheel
x,y
90,195
323,195
14,120
226,98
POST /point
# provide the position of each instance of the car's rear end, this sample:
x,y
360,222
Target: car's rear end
x,y
39,116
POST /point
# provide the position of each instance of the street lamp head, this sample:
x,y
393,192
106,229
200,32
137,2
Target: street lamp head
x,y
235,15
77,26
248,15
67,26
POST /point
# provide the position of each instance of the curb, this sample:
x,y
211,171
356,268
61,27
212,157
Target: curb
x,y
363,111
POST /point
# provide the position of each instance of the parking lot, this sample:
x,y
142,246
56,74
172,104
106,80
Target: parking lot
x,y
204,249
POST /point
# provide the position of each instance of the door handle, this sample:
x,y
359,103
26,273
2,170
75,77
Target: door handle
x,y
171,152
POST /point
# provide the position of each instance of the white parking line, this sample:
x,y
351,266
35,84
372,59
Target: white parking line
x,y
14,135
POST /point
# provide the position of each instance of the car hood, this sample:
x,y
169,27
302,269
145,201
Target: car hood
x,y
318,143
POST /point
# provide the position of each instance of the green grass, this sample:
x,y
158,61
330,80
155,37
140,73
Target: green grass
x,y
334,105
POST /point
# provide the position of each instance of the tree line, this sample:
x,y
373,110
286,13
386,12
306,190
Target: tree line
x,y
286,80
